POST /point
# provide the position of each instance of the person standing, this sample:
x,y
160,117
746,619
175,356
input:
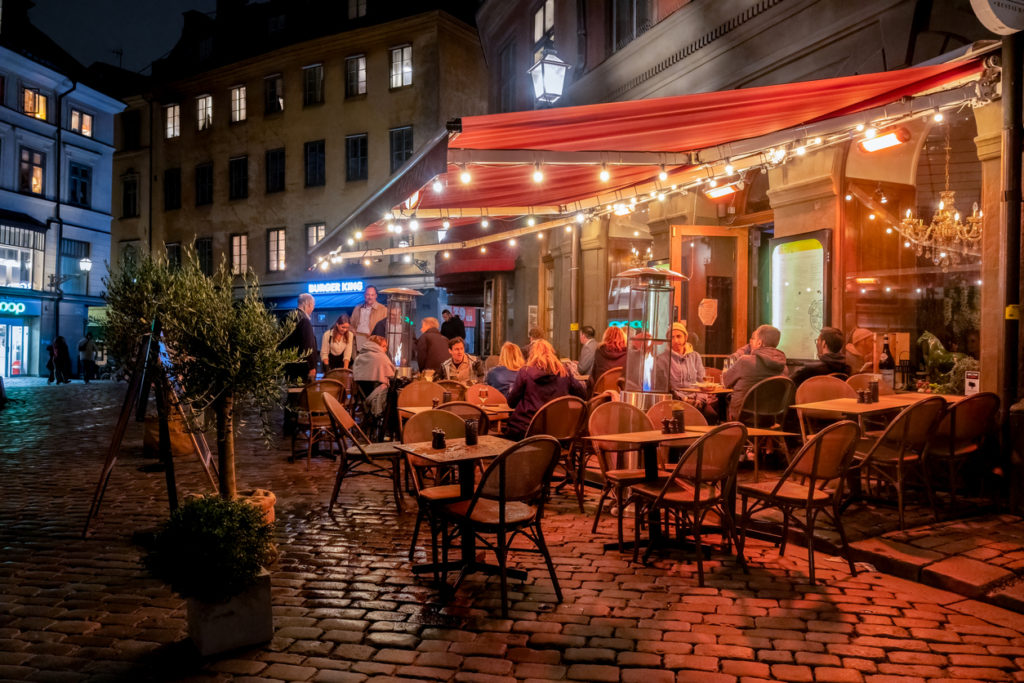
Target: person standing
x,y
431,347
337,345
751,363
452,326
366,315
61,358
87,357
588,345
303,340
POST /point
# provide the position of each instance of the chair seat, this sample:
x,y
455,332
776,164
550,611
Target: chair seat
x,y
677,494
486,512
318,421
438,494
789,492
374,450
625,477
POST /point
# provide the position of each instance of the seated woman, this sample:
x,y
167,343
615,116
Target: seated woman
x,y
610,353
504,373
372,366
542,379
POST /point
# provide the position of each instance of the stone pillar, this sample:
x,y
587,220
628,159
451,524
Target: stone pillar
x,y
499,312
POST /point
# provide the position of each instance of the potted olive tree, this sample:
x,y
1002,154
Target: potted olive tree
x,y
213,551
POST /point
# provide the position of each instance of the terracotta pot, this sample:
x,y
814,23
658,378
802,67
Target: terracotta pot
x,y
262,499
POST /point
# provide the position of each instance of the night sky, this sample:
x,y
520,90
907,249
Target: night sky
x,y
91,29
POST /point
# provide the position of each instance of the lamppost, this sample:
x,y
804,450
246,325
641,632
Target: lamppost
x,y
84,266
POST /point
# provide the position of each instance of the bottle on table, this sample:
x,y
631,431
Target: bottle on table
x,y
887,364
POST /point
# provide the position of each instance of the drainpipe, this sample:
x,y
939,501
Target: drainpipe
x,y
56,213
1011,159
574,292
150,181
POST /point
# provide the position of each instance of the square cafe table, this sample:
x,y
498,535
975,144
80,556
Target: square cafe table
x,y
885,403
457,453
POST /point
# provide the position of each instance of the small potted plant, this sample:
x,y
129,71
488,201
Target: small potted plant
x,y
212,551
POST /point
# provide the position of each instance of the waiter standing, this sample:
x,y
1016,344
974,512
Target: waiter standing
x,y
366,316
303,340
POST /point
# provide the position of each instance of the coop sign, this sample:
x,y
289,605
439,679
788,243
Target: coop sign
x,y
635,324
15,307
343,287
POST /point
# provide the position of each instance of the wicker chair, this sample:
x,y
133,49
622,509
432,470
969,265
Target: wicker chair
x,y
419,394
313,422
860,382
664,410
609,380
765,406
563,419
819,388
457,389
468,411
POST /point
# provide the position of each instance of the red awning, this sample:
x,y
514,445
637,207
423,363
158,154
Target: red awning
x,y
498,257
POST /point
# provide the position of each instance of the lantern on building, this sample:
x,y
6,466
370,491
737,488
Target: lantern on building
x,y
548,75
648,333
398,328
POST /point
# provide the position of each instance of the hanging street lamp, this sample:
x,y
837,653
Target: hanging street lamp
x,y
548,76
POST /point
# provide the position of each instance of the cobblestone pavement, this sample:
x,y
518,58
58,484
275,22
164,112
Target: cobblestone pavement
x,y
347,607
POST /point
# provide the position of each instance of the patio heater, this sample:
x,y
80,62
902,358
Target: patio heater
x,y
399,328
648,335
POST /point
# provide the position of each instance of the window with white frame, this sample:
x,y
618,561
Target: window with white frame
x,y
31,171
355,76
239,254
401,146
543,28
356,9
313,85
172,121
275,250
204,112
238,104
315,233
80,185
33,103
401,66
81,123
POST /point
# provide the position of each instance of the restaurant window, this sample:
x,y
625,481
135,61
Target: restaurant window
x,y
130,196
507,81
917,294
629,19
172,189
275,250
355,76
204,254
313,85
172,121
33,103
81,123
71,253
238,104
356,157
356,9
401,146
21,257
173,251
238,178
273,94
543,29
401,66
31,171
79,184
275,170
204,184
315,162
239,254
315,233
204,112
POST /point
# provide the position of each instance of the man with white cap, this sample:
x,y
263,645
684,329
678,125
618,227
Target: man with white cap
x,y
860,352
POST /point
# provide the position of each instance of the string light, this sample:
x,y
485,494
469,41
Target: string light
x,y
485,223
663,174
604,174
580,217
438,187
366,262
729,168
359,234
414,225
350,241
568,228
531,221
937,117
407,259
540,235
446,224
512,242
447,254
464,176
538,175
483,250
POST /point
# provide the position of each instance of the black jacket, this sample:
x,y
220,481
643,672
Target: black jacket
x,y
302,340
431,350
453,327
828,363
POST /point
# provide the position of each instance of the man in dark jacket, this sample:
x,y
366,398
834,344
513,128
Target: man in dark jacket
x,y
452,326
431,347
303,340
830,357
752,363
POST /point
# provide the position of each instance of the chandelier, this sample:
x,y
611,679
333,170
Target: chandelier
x,y
637,258
946,240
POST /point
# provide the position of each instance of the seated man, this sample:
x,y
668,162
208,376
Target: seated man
x,y
431,347
461,367
752,363
830,357
860,352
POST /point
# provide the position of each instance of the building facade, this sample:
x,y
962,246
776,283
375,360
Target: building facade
x,y
56,153
253,152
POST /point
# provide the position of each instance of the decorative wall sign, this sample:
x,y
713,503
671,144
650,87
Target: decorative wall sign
x,y
707,311
1003,17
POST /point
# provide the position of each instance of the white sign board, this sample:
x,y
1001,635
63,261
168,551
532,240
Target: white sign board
x,y
707,311
1003,17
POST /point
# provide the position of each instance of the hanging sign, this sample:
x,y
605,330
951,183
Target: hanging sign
x,y
707,311
1003,17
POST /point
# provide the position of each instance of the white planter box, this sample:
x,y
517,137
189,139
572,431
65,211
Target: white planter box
x,y
247,619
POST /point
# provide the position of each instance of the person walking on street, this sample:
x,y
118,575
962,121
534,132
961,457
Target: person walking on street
x,y
452,326
366,315
87,357
61,358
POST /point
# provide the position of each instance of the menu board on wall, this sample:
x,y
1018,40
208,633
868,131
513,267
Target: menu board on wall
x,y
800,290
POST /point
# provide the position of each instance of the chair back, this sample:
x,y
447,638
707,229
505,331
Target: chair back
x,y
561,418
420,427
341,375
521,473
714,373
710,463
820,388
609,380
493,395
970,420
468,411
839,375
770,398
457,389
860,382
663,410
313,393
911,429
344,425
491,361
615,417
420,394
827,454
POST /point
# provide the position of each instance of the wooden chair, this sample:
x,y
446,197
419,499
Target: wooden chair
x,y
663,410
821,388
765,406
468,411
896,454
509,502
958,437
584,448
491,361
823,459
313,422
345,377
860,382
609,380
359,458
433,486
613,418
494,397
457,389
419,394
563,418
699,483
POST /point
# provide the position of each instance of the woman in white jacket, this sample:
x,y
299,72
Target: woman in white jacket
x,y
337,345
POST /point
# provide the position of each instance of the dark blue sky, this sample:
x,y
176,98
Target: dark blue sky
x,y
91,29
